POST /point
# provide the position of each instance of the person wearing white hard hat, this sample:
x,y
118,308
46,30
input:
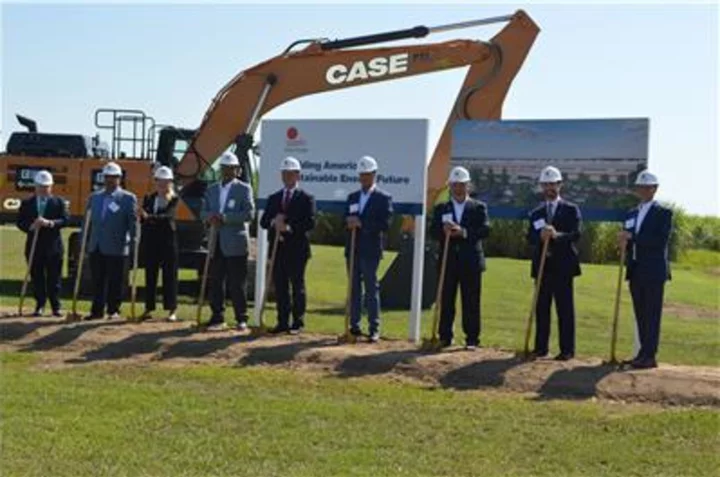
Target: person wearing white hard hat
x,y
290,212
228,207
159,244
46,213
646,235
558,222
368,212
465,220
112,231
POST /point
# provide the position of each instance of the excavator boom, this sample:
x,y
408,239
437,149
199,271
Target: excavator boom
x,y
323,65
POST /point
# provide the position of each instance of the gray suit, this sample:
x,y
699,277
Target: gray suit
x,y
229,264
237,213
111,234
112,227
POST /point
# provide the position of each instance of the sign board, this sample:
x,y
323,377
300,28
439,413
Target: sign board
x,y
328,151
599,160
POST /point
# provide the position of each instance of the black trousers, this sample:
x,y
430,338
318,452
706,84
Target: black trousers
x,y
466,274
45,272
167,260
230,272
289,271
647,300
559,288
107,277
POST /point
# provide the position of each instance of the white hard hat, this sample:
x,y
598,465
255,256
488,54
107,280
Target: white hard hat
x,y
164,172
43,178
550,174
647,178
458,174
367,164
229,159
112,169
290,164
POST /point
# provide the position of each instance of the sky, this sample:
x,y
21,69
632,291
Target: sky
x,y
60,63
552,139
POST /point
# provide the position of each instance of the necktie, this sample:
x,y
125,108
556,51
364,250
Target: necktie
x,y
286,200
41,206
550,212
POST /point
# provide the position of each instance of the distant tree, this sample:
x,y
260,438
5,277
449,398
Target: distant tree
x,y
505,177
490,178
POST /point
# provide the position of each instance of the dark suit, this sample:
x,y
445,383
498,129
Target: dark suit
x,y
46,268
648,268
464,267
562,265
375,219
293,251
160,248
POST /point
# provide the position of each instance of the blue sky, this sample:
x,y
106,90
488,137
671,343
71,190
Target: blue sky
x,y
59,63
549,139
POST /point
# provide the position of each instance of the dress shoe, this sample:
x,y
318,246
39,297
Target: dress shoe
x,y
279,329
564,357
374,337
92,317
57,313
296,327
241,326
38,312
356,331
538,354
643,363
217,326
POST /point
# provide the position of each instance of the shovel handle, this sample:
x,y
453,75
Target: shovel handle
x,y
616,310
536,292
31,259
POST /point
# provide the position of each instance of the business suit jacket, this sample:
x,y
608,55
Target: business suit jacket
x,y
159,227
476,224
233,237
651,262
562,257
49,240
375,219
300,216
112,235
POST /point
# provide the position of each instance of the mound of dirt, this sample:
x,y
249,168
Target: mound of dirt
x,y
175,344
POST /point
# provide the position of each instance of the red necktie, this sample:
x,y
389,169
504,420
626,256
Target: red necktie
x,y
286,200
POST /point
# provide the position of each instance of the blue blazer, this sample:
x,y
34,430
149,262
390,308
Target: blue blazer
x,y
112,234
477,227
562,257
650,243
375,219
49,239
234,233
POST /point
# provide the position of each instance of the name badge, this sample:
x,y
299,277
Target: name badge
x,y
231,204
630,224
447,218
539,224
354,208
113,207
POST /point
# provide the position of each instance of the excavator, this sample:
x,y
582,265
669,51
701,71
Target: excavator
x,y
305,67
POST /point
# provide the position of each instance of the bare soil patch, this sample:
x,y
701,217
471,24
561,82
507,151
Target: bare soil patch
x,y
61,345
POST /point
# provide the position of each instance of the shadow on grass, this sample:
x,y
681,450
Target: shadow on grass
x,y
576,383
15,330
374,364
64,336
488,373
198,349
143,343
283,353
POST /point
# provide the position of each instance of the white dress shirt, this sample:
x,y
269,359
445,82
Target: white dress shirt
x,y
364,197
224,192
643,209
551,207
459,208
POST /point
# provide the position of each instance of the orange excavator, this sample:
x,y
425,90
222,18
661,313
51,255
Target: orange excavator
x,y
305,67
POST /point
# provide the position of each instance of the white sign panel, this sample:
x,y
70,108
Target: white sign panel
x,y
328,150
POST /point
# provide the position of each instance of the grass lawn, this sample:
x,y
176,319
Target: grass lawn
x,y
257,421
690,324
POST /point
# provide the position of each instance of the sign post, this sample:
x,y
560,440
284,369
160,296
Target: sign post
x,y
328,151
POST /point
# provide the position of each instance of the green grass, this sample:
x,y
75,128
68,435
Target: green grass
x,y
256,421
507,289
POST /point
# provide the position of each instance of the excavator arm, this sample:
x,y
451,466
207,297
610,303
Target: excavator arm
x,y
323,65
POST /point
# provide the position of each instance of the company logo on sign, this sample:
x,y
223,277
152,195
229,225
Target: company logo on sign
x,y
293,138
11,203
375,68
